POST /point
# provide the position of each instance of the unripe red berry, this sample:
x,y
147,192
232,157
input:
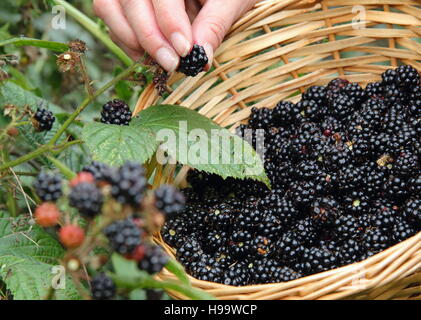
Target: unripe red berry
x,y
71,236
13,131
82,177
137,254
47,214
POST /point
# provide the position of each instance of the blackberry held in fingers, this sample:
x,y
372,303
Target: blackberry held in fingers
x,y
192,64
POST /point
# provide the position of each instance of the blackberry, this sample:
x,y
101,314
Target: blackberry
x,y
285,274
239,245
350,251
87,198
318,260
128,183
270,226
402,230
207,270
214,240
376,240
390,76
48,186
285,211
335,87
308,169
99,170
305,231
43,120
189,252
374,89
316,94
116,112
346,227
102,287
154,260
174,232
124,236
192,64
356,203
342,106
408,76
220,216
310,109
412,212
289,248
414,185
407,164
261,246
330,126
237,275
374,180
396,189
265,271
169,200
302,194
283,113
324,212
260,118
354,91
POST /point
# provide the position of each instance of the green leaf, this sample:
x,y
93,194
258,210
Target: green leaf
x,y
178,270
115,144
28,256
195,140
11,93
55,46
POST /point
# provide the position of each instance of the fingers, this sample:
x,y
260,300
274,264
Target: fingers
x,y
192,7
111,12
174,23
134,54
214,21
141,17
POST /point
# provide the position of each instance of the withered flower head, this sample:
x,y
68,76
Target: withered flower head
x,y
68,61
77,46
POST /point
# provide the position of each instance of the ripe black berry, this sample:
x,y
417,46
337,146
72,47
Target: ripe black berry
x,y
116,112
154,260
87,198
102,287
194,62
169,200
43,120
128,183
124,236
99,170
48,186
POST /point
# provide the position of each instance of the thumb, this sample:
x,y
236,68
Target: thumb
x,y
214,20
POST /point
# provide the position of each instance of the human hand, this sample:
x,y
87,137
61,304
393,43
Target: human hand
x,y
167,29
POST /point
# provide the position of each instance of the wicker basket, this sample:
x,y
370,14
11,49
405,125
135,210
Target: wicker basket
x,y
275,50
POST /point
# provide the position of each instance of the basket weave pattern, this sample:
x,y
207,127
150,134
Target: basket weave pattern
x,y
276,50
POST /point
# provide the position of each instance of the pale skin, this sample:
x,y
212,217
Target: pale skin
x,y
167,29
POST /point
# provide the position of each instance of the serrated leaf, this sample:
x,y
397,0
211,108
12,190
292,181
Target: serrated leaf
x,y
55,46
115,144
202,144
27,256
11,93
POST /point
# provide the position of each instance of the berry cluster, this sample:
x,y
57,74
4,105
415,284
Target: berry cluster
x,y
120,196
344,165
43,120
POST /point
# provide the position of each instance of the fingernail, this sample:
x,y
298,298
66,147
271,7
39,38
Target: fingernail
x,y
181,44
209,52
167,58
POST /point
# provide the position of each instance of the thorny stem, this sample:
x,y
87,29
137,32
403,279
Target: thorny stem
x,y
50,145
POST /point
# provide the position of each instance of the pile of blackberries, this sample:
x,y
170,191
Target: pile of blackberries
x,y
344,165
